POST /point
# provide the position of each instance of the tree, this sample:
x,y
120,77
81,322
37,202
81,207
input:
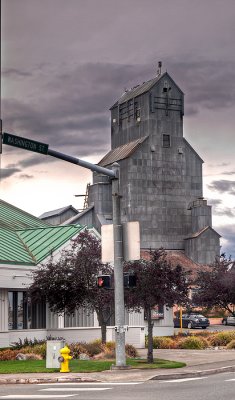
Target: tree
x,y
215,285
71,281
157,283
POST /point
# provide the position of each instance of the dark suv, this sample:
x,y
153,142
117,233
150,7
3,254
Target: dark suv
x,y
192,321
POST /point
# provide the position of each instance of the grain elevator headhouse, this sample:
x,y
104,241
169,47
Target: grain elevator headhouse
x,y
160,173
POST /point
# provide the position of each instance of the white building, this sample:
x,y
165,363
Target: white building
x,y
25,243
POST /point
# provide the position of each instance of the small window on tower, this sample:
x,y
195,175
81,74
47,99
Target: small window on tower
x,y
166,140
137,115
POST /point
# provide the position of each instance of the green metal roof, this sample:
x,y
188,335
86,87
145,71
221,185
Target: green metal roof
x,y
12,250
12,217
25,239
42,242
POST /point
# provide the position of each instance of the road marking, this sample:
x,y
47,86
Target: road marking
x,y
89,383
228,380
36,396
186,379
74,389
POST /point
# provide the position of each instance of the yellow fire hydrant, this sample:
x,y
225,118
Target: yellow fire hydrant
x,y
64,359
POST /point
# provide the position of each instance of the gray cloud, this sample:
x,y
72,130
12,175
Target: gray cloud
x,y
219,210
224,164
69,110
224,211
214,202
7,172
228,233
35,160
15,73
26,176
228,173
203,82
30,161
223,186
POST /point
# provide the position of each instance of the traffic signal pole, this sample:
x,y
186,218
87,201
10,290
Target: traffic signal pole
x,y
81,163
118,271
113,173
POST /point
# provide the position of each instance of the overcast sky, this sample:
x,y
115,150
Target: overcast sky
x,y
65,62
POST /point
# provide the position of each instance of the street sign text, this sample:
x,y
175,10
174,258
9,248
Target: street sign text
x,y
26,144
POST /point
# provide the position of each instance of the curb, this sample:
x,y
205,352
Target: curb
x,y
183,375
45,380
193,374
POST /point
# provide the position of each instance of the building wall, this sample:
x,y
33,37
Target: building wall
x,y
201,215
15,276
86,219
59,219
157,193
204,248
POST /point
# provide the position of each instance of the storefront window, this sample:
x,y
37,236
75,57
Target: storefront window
x,y
22,314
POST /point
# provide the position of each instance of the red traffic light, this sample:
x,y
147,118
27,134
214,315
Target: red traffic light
x,y
104,281
100,281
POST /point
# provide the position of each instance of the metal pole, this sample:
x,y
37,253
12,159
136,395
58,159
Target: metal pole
x,y
181,325
118,271
82,163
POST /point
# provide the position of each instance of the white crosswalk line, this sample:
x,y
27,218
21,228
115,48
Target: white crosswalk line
x,y
74,389
229,380
36,396
185,379
89,383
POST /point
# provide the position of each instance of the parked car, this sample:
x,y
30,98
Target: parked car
x,y
229,320
191,321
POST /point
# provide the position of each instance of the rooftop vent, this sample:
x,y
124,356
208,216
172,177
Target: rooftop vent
x,y
159,71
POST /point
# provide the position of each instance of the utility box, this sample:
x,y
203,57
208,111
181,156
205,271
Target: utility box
x,y
53,352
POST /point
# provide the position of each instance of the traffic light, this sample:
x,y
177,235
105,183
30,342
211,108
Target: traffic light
x,y
129,280
104,281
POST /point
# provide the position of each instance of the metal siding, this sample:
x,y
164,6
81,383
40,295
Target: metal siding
x,y
12,248
121,152
41,242
13,218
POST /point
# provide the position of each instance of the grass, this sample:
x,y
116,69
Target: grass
x,y
36,366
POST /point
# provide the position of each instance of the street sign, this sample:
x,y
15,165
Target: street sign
x,y
26,144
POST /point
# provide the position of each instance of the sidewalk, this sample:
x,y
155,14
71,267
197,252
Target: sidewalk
x,y
199,363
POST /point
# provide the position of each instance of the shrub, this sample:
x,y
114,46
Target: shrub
x,y
26,343
167,343
93,348
109,354
222,338
109,351
231,345
163,342
109,345
131,351
193,342
38,349
76,349
7,355
105,355
5,348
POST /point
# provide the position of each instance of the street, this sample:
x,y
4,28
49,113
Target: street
x,y
216,387
211,328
